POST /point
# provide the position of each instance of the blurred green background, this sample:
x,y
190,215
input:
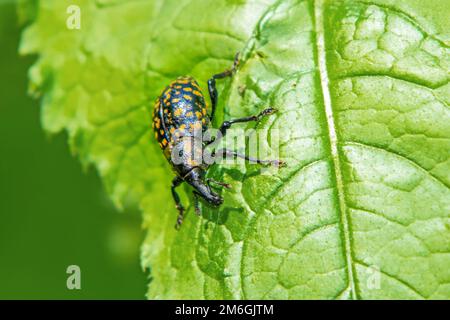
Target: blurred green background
x,y
53,215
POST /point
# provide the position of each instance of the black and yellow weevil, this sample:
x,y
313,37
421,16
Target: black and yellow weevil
x,y
179,114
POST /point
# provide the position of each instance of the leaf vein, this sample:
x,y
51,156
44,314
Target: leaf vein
x,y
344,218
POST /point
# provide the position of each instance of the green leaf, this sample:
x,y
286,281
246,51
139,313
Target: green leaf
x,y
363,208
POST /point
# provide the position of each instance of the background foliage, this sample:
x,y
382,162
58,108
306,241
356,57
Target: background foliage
x,y
51,214
362,89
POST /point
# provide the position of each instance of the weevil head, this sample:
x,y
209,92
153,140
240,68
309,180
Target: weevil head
x,y
196,178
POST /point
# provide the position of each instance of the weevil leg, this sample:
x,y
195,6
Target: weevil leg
x,y
219,183
197,203
175,183
227,124
235,154
212,84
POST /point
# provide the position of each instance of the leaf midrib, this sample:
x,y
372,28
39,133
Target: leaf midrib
x,y
333,140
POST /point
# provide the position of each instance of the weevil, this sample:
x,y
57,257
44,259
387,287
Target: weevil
x,y
180,113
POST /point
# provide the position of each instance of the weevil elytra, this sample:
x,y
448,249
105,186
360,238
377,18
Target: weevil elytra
x,y
180,113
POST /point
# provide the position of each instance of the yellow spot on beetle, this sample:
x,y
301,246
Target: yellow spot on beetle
x,y
198,114
189,114
187,89
187,97
194,126
197,125
178,112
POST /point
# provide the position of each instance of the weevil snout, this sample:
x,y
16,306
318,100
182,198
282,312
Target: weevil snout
x,y
215,199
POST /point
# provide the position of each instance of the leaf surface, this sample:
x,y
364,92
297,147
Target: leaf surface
x,y
363,208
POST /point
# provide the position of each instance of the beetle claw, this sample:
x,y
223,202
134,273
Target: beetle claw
x,y
279,163
274,163
219,183
269,111
223,184
236,62
265,112
180,216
